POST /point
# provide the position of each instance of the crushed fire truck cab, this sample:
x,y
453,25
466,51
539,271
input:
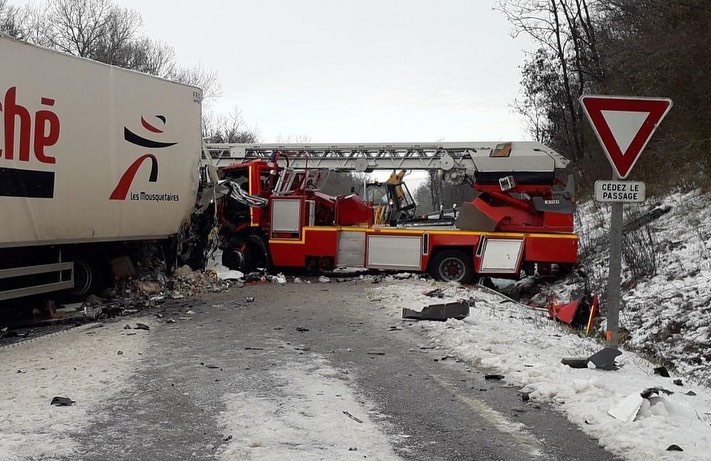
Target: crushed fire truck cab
x,y
275,215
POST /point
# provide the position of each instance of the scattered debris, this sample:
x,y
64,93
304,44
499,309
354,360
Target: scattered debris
x,y
123,267
279,278
439,312
127,327
575,362
605,359
580,313
250,299
353,449
494,377
142,326
674,447
324,279
212,367
678,382
375,353
119,353
662,371
147,287
627,409
691,393
647,393
302,329
436,293
62,402
359,421
227,439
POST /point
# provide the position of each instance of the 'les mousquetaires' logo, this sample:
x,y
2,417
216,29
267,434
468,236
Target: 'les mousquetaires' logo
x,y
124,184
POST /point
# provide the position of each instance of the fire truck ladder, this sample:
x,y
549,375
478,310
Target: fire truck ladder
x,y
511,157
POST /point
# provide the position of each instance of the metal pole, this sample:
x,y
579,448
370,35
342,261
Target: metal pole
x,y
615,276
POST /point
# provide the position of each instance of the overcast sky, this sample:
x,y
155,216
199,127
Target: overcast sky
x,y
352,70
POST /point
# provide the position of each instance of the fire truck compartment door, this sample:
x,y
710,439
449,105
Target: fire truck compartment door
x,y
351,249
501,256
394,252
286,215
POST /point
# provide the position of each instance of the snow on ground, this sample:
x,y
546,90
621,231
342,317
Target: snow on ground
x,y
313,416
667,314
527,347
82,364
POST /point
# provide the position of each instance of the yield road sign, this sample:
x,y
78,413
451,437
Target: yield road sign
x,y
619,191
624,125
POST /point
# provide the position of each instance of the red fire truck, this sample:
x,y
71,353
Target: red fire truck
x,y
275,215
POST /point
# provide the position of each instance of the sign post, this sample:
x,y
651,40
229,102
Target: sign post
x,y
624,126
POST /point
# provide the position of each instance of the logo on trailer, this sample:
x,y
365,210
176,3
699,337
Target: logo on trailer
x,y
37,132
120,192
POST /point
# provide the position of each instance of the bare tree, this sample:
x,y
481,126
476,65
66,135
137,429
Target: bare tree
x,y
12,20
79,26
230,128
565,32
198,76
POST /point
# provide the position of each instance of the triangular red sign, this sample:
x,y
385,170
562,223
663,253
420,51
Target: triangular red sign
x,y
624,125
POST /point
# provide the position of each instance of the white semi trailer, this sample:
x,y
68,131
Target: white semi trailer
x,y
90,155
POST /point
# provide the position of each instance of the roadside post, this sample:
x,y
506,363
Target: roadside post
x,y
624,126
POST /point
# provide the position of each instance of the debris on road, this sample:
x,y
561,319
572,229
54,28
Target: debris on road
x,y
62,402
494,377
358,420
674,447
142,326
302,329
436,293
439,312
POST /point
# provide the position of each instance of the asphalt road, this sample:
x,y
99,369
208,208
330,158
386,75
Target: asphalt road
x,y
432,406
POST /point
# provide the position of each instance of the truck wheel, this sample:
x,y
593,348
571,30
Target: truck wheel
x,y
89,277
452,266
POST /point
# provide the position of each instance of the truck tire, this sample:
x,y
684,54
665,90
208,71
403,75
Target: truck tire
x,y
90,276
452,266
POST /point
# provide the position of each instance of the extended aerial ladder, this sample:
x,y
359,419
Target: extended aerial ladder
x,y
469,156
517,195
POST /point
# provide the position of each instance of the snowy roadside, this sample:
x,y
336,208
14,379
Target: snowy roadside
x,y
88,364
310,414
667,314
527,347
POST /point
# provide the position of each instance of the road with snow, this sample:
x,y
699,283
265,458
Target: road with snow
x,y
302,372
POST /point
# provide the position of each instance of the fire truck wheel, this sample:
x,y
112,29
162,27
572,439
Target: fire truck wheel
x,y
452,266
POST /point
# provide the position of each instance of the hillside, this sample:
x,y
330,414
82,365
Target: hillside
x,y
666,288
